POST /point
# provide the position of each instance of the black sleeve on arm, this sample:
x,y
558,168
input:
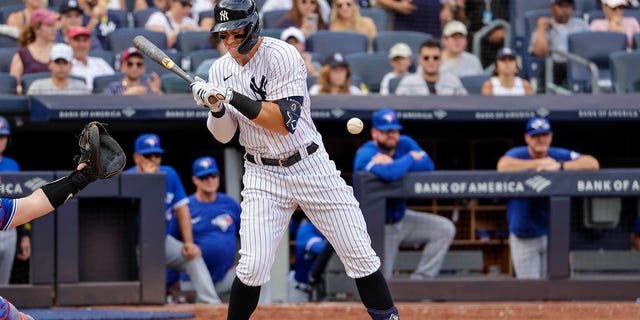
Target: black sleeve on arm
x,y
247,106
290,108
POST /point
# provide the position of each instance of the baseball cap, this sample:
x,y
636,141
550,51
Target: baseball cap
x,y
453,27
386,119
128,52
292,32
204,166
70,5
561,2
636,227
61,51
5,129
538,125
79,31
506,52
42,16
614,3
400,49
148,143
336,60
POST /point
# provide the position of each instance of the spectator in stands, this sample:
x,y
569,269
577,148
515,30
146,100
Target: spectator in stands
x,y
295,37
335,78
83,65
554,33
401,59
71,15
455,58
635,236
34,46
505,80
615,21
345,16
415,15
185,255
453,10
9,238
60,82
162,5
480,13
174,20
529,218
98,18
390,156
429,80
304,14
273,5
200,7
133,68
215,219
20,18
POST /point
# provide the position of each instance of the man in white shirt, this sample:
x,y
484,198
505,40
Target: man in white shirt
x,y
83,65
455,58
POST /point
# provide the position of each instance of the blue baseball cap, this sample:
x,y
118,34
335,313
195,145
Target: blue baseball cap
x,y
205,166
386,119
636,227
538,125
5,129
148,143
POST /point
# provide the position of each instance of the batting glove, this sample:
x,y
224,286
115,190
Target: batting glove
x,y
202,90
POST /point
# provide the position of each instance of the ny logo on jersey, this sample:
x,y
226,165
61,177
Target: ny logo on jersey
x,y
224,15
259,90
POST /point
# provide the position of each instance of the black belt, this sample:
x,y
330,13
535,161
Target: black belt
x,y
284,162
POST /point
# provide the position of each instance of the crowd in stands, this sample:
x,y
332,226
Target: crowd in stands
x,y
469,33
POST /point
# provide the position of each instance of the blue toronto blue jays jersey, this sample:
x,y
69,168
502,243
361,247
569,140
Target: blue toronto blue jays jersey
x,y
529,218
7,213
403,163
8,164
309,243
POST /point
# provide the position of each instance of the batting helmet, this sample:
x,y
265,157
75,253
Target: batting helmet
x,y
236,14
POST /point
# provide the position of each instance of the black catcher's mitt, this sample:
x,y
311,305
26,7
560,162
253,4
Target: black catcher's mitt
x,y
103,155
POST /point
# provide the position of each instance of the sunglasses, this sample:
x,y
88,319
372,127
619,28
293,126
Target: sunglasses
x,y
61,61
235,36
345,4
434,58
152,155
186,4
209,176
137,64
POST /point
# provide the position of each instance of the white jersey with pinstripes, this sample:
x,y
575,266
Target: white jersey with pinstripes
x,y
271,193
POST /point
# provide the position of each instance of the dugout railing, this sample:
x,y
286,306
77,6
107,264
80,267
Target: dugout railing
x,y
559,187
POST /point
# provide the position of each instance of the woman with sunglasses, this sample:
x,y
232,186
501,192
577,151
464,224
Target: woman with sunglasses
x,y
616,21
345,16
305,15
176,19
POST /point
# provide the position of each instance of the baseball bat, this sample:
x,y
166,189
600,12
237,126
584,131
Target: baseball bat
x,y
152,51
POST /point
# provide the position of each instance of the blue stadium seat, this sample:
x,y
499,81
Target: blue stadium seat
x,y
636,41
175,55
198,56
29,78
205,14
171,83
625,77
123,15
107,55
473,84
271,32
191,41
202,70
141,16
311,80
6,54
7,83
595,47
8,9
327,43
384,40
378,15
270,18
599,14
518,9
8,42
370,67
581,7
121,39
102,82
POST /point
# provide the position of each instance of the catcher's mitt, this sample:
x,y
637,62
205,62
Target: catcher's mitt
x,y
103,155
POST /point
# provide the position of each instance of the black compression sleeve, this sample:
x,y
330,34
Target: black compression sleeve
x,y
247,106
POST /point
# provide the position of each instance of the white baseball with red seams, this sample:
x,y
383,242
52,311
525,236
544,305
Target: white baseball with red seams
x,y
355,125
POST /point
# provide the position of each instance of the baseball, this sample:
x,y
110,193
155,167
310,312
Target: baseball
x,y
355,125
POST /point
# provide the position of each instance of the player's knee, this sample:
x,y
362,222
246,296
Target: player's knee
x,y
450,230
253,275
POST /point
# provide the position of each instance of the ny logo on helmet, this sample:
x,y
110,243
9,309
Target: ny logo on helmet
x,y
224,15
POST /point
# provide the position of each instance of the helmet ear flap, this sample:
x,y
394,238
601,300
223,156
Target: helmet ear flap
x,y
253,33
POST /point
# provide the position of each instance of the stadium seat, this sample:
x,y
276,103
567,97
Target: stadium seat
x,y
123,15
270,18
171,83
7,83
8,42
384,40
370,67
517,15
636,41
624,74
311,80
29,78
599,14
191,41
473,84
121,39
198,56
107,55
582,7
378,15
6,54
202,70
205,14
141,16
102,82
157,68
595,47
271,32
327,43
8,9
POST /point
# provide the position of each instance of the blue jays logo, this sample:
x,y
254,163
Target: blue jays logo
x,y
389,117
205,163
151,141
223,221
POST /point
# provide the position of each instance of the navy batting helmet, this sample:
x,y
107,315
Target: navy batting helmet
x,y
237,14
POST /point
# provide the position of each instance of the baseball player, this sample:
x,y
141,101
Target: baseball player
x,y
259,87
215,218
185,255
9,238
529,218
390,155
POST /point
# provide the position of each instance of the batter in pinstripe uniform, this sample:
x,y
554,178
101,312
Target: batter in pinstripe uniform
x,y
259,87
